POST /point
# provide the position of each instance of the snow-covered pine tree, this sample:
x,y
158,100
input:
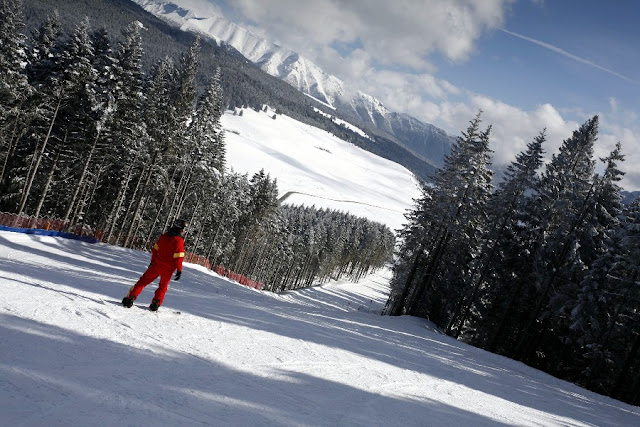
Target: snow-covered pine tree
x,y
205,130
503,253
594,308
227,202
566,192
159,117
34,133
446,225
168,156
70,112
257,216
43,49
84,113
207,154
183,99
123,78
622,333
14,86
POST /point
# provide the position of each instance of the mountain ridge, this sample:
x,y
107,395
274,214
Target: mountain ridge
x,y
423,139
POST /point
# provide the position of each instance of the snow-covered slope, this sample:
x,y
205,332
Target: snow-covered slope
x,y
314,167
71,355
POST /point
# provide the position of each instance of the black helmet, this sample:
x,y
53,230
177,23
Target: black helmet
x,y
180,224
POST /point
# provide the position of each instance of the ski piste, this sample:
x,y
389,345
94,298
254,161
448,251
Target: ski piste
x,y
70,355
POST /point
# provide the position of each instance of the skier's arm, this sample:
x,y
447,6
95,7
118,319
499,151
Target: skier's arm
x,y
154,253
178,255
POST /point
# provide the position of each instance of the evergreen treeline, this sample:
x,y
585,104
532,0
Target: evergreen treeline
x,y
543,269
89,137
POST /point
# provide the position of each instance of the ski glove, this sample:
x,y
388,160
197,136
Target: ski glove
x,y
178,274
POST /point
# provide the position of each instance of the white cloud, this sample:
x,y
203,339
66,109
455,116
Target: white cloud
x,y
513,128
400,33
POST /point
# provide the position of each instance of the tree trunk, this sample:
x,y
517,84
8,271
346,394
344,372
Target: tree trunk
x,y
140,189
11,144
165,196
27,189
80,183
117,206
394,307
176,199
503,320
47,185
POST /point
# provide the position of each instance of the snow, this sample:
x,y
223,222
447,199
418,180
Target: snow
x,y
343,123
314,167
72,355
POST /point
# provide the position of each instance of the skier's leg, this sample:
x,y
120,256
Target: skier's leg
x,y
148,277
165,278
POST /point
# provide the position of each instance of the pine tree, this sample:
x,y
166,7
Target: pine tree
x,y
566,192
83,114
205,130
14,87
70,111
622,331
446,224
593,309
503,254
34,134
44,50
126,128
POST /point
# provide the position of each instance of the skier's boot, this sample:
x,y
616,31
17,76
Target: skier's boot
x,y
128,301
155,304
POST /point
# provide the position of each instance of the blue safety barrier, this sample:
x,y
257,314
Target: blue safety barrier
x,y
40,232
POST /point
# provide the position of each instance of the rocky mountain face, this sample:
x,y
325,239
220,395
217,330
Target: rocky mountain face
x,y
423,139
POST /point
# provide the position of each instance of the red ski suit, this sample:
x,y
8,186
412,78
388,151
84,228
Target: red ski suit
x,y
166,257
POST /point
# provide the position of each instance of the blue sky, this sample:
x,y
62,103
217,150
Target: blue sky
x,y
568,53
528,64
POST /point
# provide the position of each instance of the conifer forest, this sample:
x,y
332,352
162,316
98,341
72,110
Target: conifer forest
x,y
542,267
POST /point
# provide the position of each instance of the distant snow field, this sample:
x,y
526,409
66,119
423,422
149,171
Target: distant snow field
x,y
314,167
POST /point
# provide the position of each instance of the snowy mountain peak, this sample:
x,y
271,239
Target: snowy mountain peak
x,y
278,61
303,74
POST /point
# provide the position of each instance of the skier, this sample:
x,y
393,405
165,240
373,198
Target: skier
x,y
166,257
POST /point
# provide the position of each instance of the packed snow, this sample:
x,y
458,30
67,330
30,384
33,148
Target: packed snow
x,y
218,353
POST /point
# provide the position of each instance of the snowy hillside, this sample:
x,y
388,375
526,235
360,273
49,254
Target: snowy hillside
x,y
314,167
222,354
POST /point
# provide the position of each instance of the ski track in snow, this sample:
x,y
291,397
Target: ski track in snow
x,y
72,355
